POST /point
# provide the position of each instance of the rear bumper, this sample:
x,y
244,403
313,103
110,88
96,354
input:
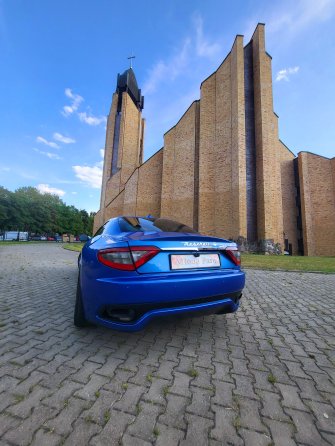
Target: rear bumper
x,y
227,305
161,295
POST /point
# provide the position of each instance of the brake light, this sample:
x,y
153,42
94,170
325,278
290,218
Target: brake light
x,y
127,259
234,255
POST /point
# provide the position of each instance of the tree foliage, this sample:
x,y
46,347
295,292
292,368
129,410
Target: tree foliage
x,y
27,209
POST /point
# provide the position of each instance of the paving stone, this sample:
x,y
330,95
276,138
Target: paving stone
x,y
7,422
62,423
197,430
174,414
181,384
224,430
112,433
23,434
143,426
271,406
57,378
250,417
203,378
223,393
282,433
325,415
186,363
85,372
201,402
100,411
291,397
130,399
156,392
46,437
24,408
165,370
168,435
61,395
92,388
254,438
82,432
306,431
128,440
143,375
244,386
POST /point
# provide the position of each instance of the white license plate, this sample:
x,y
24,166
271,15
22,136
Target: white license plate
x,y
190,261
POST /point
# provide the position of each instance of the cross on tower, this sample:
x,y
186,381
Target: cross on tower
x,y
131,62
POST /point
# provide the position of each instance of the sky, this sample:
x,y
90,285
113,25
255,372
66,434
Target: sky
x,y
59,62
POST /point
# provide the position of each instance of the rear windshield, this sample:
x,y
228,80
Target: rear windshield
x,y
134,224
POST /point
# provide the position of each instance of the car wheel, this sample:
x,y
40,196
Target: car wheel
x,y
79,314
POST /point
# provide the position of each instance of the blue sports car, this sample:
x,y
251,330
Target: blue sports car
x,y
136,269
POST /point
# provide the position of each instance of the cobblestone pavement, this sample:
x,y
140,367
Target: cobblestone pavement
x,y
263,376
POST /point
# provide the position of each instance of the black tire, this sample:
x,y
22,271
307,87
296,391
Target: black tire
x,y
79,319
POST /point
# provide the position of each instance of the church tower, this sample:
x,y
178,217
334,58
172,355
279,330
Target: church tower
x,y
124,139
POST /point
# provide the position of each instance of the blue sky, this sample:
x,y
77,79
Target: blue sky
x,y
59,61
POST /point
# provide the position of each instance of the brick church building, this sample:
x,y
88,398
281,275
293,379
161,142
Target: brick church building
x,y
223,169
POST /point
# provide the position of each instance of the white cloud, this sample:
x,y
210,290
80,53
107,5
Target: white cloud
x,y
48,154
92,176
64,139
102,153
300,15
47,143
46,189
285,73
168,70
74,193
203,47
90,119
184,58
76,100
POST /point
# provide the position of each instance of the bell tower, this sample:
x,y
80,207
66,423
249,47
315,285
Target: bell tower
x,y
124,138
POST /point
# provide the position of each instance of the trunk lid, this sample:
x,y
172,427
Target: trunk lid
x,y
177,244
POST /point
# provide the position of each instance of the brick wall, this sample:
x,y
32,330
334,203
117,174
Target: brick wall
x,y
288,196
178,169
130,194
130,138
150,186
115,208
317,203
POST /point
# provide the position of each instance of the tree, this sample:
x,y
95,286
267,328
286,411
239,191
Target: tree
x,y
27,209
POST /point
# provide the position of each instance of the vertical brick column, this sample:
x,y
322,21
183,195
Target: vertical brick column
x,y
268,179
238,141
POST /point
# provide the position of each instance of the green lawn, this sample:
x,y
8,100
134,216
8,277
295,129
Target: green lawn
x,y
289,263
73,246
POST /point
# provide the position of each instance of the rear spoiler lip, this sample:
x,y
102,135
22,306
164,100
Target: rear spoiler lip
x,y
200,248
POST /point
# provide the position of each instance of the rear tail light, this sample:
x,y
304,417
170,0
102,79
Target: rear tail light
x,y
127,259
234,255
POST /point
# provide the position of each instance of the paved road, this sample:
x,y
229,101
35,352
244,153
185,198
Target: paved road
x,y
263,376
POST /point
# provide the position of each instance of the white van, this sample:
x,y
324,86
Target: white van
x,y
14,235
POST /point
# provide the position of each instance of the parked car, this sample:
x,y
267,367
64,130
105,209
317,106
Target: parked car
x,y
43,237
50,239
138,268
35,238
84,237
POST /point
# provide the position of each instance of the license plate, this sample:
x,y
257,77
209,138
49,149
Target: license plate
x,y
190,261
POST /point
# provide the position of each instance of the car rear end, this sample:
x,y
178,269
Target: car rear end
x,y
145,276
